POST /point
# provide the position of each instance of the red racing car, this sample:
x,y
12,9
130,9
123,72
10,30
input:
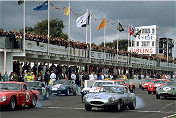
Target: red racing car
x,y
145,83
17,94
158,82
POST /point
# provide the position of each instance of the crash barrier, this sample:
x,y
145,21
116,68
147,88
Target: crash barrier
x,y
88,83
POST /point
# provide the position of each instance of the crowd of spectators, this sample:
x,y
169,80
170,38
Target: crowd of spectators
x,y
16,37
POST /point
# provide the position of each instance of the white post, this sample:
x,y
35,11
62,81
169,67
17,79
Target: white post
x,y
24,27
167,51
117,46
48,25
69,21
104,43
86,29
90,36
4,59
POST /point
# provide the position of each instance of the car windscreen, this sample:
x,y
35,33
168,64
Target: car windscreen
x,y
112,89
160,82
100,84
33,84
149,80
61,82
10,86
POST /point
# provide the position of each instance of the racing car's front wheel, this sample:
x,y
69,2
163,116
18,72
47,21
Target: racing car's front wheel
x,y
157,96
88,108
33,102
149,92
76,92
47,94
67,92
132,105
118,106
12,104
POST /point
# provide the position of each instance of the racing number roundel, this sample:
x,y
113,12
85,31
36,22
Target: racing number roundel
x,y
27,97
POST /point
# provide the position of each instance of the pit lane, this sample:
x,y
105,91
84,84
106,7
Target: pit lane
x,y
72,107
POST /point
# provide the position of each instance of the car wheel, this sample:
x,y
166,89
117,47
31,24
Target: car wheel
x,y
142,88
88,108
132,105
157,96
67,92
139,87
47,94
33,102
76,92
12,104
165,97
118,106
149,92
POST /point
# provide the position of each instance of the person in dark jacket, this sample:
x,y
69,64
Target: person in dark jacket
x,y
46,78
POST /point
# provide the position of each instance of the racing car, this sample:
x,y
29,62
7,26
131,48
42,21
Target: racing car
x,y
45,91
168,90
17,94
66,87
110,96
157,83
144,84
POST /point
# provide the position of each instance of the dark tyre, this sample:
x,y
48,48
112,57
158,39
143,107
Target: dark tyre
x,y
67,92
33,102
157,96
132,105
142,88
165,97
149,92
12,104
118,107
47,94
88,108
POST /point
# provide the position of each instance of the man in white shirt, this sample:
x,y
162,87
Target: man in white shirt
x,y
52,77
73,76
91,77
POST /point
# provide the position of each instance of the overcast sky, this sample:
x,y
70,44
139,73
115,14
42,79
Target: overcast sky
x,y
138,13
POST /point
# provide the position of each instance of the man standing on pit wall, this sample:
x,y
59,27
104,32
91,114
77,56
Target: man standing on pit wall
x,y
5,77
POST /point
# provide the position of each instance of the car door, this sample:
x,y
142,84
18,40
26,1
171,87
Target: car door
x,y
27,94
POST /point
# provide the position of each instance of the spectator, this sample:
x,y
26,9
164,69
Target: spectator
x,y
1,79
52,77
46,78
91,77
73,76
77,81
5,77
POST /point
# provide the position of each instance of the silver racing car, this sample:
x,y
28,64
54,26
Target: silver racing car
x,y
111,96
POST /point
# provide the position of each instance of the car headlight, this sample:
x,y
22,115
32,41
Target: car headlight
x,y
111,99
150,86
3,98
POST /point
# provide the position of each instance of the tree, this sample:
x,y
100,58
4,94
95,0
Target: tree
x,y
27,29
123,44
56,27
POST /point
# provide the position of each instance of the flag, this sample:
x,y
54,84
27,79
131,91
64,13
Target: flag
x,y
120,27
42,7
85,25
67,10
20,2
137,33
131,31
82,20
103,24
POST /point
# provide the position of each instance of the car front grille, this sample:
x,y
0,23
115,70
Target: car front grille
x,y
96,102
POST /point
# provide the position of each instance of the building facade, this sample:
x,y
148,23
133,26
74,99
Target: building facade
x,y
147,42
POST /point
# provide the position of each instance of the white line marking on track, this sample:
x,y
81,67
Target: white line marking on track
x,y
170,116
82,108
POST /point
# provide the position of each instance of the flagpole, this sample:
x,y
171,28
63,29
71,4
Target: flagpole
x,y
24,27
104,42
90,36
68,51
128,40
86,29
48,25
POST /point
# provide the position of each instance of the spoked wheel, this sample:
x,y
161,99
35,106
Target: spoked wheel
x,y
67,92
46,96
76,92
33,102
157,96
12,104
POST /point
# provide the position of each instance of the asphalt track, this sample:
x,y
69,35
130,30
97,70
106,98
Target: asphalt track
x,y
72,107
